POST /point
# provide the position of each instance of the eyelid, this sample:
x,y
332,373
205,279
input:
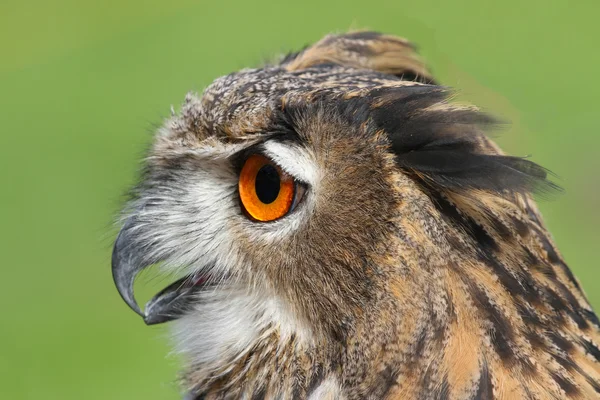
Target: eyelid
x,y
238,159
294,159
261,148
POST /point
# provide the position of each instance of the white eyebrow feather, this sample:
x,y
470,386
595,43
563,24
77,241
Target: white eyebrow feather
x,y
294,160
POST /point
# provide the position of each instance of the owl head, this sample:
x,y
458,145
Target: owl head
x,y
341,228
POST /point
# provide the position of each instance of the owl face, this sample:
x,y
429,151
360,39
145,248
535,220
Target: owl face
x,y
289,215
338,217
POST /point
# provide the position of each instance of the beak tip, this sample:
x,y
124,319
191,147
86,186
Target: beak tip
x,y
130,300
125,268
125,288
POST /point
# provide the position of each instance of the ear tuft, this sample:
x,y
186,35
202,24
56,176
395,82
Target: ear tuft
x,y
363,50
444,144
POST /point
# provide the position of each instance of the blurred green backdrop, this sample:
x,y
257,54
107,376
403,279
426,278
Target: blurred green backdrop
x,y
82,84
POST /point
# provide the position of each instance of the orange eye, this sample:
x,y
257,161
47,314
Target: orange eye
x,y
266,192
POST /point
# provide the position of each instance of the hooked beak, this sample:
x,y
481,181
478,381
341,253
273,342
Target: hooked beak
x,y
125,268
170,303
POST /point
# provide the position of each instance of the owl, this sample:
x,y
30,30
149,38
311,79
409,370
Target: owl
x,y
338,228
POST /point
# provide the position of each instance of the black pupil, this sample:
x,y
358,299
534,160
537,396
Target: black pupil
x,y
267,184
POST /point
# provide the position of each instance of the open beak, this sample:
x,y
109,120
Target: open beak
x,y
170,303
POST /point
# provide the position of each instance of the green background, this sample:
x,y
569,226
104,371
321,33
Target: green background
x,y
83,84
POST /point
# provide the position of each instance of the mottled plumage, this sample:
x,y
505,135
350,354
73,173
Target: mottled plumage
x,y
416,266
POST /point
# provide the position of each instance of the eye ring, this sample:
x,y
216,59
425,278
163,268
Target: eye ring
x,y
266,192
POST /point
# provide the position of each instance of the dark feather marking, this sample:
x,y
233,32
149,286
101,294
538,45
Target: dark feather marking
x,y
554,300
420,346
297,390
530,286
592,349
442,390
569,387
416,355
595,384
450,211
523,285
543,267
260,393
485,386
579,320
591,316
501,228
435,389
552,255
528,367
565,361
529,316
569,365
315,379
554,258
560,342
561,307
582,323
569,274
388,379
531,260
503,333
536,341
521,227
